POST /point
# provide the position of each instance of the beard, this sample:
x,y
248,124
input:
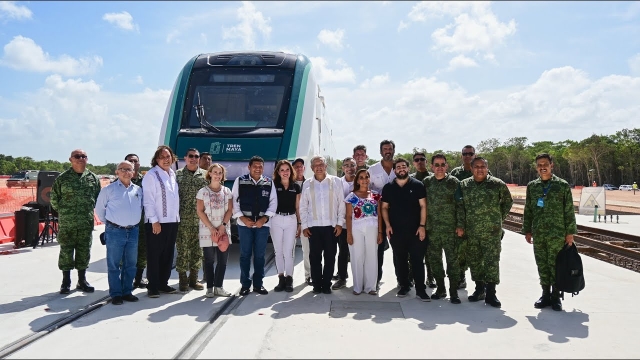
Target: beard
x,y
402,176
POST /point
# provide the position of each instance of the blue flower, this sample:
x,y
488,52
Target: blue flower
x,y
353,200
368,209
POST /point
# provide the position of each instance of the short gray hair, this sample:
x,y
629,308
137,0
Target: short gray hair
x,y
318,157
126,162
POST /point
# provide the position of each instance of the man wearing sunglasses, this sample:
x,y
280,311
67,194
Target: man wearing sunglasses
x,y
190,179
73,196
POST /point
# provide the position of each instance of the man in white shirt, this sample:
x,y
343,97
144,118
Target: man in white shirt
x,y
161,211
322,212
349,169
381,174
254,202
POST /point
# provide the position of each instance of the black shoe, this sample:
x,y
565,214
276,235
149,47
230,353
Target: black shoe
x,y
545,299
432,283
440,293
142,284
85,286
130,298
422,295
288,283
117,300
335,277
326,291
455,300
339,284
261,290
244,291
167,289
403,291
308,281
153,293
317,290
281,283
65,289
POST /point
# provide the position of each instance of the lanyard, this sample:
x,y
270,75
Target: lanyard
x,y
545,190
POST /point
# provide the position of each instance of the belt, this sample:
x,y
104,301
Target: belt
x,y
121,227
285,214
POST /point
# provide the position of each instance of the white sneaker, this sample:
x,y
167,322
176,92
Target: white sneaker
x,y
218,291
210,293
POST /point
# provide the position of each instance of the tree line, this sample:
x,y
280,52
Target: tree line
x,y
10,165
606,159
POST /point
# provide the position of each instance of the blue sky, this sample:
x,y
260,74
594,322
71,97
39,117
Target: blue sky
x,y
434,75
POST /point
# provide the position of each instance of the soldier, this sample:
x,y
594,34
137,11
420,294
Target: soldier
x,y
73,196
349,169
420,163
205,161
360,156
443,217
191,178
141,264
549,218
486,201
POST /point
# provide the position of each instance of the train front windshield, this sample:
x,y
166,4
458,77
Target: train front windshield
x,y
237,98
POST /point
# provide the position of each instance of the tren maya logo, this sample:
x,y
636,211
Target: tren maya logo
x,y
215,148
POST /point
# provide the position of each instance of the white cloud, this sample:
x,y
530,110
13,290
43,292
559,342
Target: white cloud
x,y
23,53
251,21
325,75
333,39
634,65
461,61
73,113
563,103
9,9
122,20
375,81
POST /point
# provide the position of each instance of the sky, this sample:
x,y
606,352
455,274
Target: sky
x,y
433,75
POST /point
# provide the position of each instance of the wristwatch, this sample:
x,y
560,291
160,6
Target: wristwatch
x,y
224,223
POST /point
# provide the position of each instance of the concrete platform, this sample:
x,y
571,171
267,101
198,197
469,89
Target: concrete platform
x,y
626,224
597,323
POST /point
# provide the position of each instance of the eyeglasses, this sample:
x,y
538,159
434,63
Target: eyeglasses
x,y
78,156
164,157
348,165
438,165
468,154
191,156
125,170
419,159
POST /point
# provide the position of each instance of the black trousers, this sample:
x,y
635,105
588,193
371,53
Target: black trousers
x,y
160,249
408,245
323,244
381,249
343,255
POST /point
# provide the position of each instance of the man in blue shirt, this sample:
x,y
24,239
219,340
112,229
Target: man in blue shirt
x,y
119,207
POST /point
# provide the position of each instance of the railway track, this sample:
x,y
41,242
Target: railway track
x,y
616,248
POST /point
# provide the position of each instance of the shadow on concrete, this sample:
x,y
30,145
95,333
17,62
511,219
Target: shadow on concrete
x,y
561,325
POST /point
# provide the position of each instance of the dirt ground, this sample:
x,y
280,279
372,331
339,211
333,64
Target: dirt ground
x,y
615,199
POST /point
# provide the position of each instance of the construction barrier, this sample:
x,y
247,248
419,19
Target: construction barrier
x,y
7,228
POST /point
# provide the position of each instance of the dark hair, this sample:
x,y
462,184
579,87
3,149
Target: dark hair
x,y
276,174
356,186
360,147
224,172
544,156
159,150
387,142
255,158
204,153
418,153
479,158
438,156
190,150
128,155
348,158
298,160
469,146
399,160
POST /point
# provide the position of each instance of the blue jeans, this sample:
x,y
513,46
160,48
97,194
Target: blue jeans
x,y
122,245
252,241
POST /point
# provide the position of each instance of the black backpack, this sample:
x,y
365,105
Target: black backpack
x,y
569,274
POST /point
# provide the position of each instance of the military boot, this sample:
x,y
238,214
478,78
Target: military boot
x,y
491,298
479,294
65,288
281,283
441,291
193,281
453,295
288,283
545,299
463,281
138,281
183,284
556,304
83,284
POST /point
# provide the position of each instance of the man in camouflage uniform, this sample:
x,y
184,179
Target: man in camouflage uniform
x,y
141,264
190,178
443,218
550,219
486,201
420,163
73,196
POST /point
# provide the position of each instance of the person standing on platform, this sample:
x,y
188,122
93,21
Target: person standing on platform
x,y
298,166
141,263
162,215
285,224
404,211
486,201
443,219
382,173
635,187
322,215
420,163
205,161
349,170
119,207
191,178
73,196
549,223
254,203
360,156
214,205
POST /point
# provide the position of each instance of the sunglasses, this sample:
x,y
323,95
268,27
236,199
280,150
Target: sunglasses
x,y
78,157
468,154
191,156
419,159
438,165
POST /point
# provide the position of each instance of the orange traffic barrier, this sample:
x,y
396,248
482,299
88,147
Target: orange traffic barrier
x,y
7,228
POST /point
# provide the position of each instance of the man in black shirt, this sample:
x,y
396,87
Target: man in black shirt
x,y
404,210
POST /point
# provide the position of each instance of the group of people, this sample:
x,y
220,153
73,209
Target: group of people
x,y
357,217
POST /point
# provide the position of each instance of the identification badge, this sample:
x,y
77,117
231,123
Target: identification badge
x,y
540,202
